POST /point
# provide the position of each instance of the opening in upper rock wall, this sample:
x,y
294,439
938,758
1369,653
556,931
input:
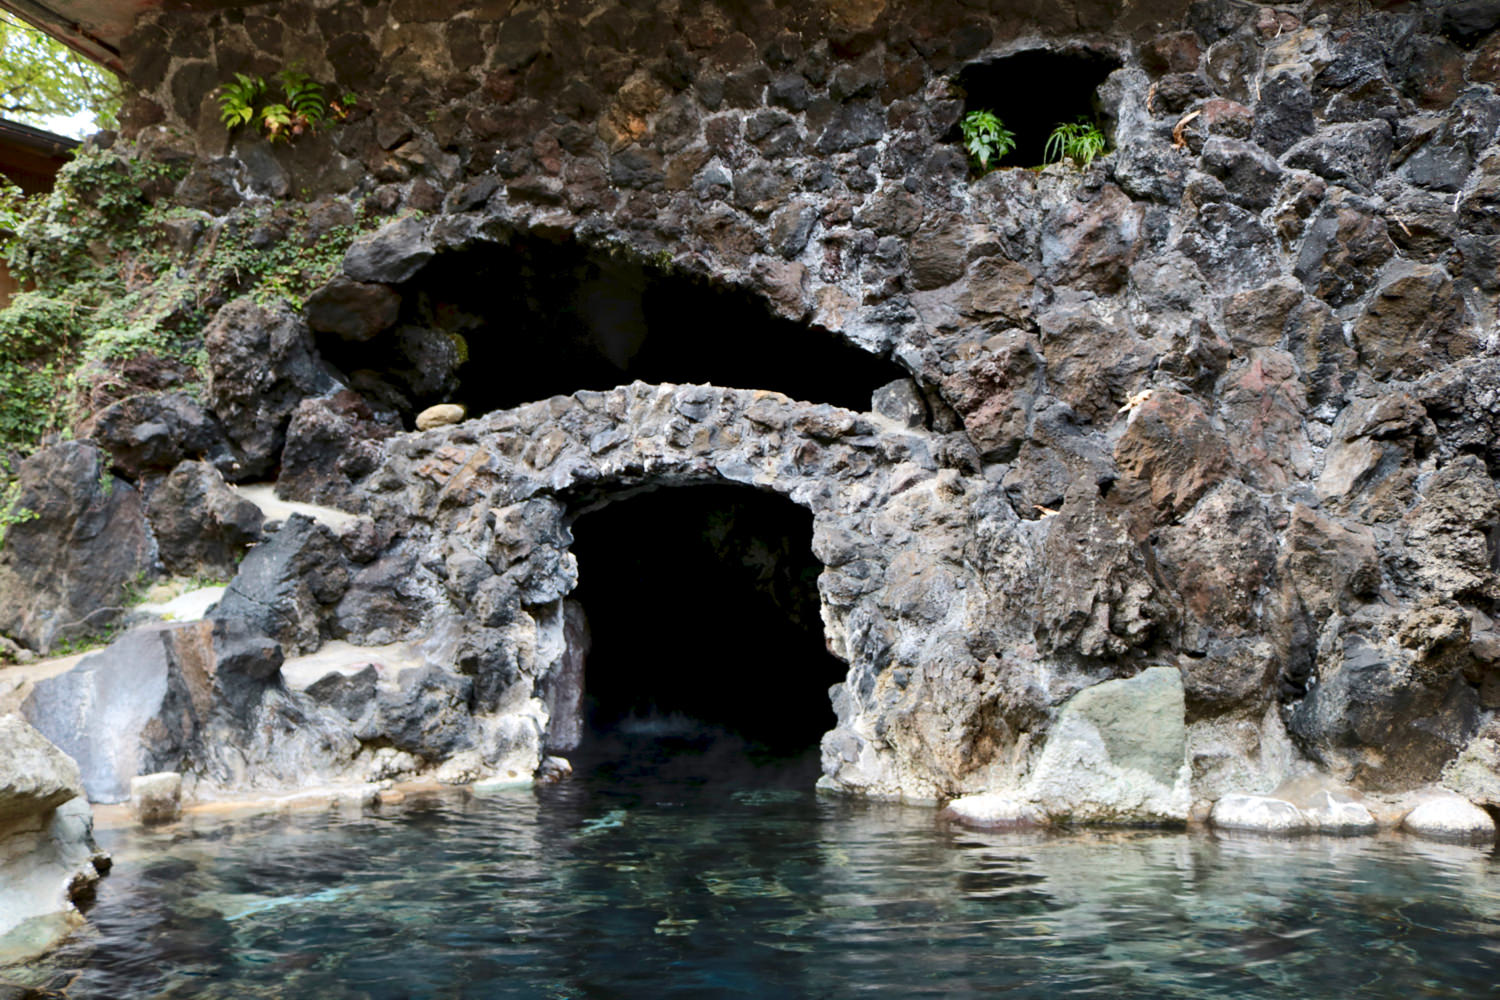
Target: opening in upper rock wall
x,y
1033,92
703,611
498,326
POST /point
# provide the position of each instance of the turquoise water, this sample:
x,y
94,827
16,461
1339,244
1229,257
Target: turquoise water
x,y
661,877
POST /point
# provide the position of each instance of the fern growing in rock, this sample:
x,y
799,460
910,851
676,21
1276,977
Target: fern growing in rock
x,y
986,138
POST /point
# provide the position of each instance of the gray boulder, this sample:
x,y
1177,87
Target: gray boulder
x,y
126,710
262,363
202,526
352,310
391,255
286,586
48,859
63,572
152,432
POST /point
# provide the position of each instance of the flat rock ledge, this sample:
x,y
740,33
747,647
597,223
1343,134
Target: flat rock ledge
x,y
1450,819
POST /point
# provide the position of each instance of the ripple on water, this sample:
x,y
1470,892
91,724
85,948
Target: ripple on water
x,y
642,887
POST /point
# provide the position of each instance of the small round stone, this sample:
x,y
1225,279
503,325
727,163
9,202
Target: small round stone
x,y
440,415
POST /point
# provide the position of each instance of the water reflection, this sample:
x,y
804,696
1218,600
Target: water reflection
x,y
653,879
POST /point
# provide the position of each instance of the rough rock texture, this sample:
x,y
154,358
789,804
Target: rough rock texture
x,y
48,860
1222,405
64,570
262,363
202,527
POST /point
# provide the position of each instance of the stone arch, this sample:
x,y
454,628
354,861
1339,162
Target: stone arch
x,y
484,507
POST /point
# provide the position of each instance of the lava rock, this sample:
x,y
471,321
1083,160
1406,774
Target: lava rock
x,y
202,527
64,570
152,432
262,363
392,254
352,310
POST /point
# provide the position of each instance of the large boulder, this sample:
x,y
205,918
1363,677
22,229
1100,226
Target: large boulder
x,y
65,567
203,527
153,432
1117,754
48,860
261,363
132,708
287,586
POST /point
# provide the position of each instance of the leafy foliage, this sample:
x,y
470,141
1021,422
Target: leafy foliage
x,y
11,511
291,106
41,78
115,289
237,99
1080,141
986,138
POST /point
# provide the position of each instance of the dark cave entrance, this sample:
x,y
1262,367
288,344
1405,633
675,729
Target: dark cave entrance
x,y
500,325
1033,92
704,620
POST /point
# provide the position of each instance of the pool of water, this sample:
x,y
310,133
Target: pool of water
x,y
709,875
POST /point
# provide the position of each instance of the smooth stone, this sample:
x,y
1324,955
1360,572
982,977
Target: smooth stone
x,y
1258,814
156,798
440,415
992,811
1449,819
1339,816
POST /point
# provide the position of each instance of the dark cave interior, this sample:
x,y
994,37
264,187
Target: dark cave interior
x,y
703,611
501,325
1033,92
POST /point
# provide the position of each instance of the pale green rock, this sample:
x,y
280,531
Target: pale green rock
x,y
1116,754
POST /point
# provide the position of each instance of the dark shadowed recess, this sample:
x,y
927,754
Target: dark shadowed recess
x,y
702,603
498,326
1033,92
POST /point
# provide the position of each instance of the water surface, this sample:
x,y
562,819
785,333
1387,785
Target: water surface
x,y
709,875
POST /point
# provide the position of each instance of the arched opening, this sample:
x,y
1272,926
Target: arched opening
x,y
1033,92
500,325
704,623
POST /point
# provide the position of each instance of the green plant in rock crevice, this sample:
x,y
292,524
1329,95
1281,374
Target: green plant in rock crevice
x,y
986,138
1081,141
294,104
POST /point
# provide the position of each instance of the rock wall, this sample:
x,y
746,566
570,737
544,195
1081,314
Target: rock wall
x,y
1220,403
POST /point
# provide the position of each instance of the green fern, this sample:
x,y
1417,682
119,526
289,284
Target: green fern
x,y
1080,141
237,100
301,106
986,138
